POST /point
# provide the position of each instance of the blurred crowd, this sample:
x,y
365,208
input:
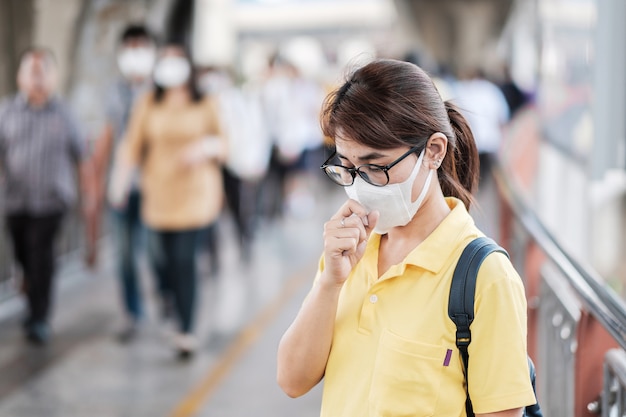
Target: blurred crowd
x,y
181,147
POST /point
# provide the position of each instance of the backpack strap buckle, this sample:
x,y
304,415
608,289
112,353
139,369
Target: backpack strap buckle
x,y
463,334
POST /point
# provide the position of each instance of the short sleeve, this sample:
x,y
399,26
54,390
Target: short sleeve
x,y
77,142
504,112
320,269
114,106
134,139
499,377
214,116
4,105
215,124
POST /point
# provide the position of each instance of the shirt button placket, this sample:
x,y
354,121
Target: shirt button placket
x,y
368,314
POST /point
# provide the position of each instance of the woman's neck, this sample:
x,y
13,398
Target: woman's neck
x,y
400,241
430,215
177,95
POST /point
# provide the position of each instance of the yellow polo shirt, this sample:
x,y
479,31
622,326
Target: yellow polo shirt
x,y
394,351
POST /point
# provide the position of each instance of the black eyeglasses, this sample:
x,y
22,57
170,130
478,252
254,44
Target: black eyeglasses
x,y
377,175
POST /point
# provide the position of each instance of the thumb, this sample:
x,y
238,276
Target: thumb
x,y
372,220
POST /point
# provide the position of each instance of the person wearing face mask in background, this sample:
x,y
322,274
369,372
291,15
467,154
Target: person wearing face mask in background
x,y
378,306
175,139
135,61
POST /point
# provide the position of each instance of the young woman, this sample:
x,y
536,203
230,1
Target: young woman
x,y
375,324
175,139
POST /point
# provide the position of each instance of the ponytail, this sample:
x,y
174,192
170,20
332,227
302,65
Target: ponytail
x,y
460,169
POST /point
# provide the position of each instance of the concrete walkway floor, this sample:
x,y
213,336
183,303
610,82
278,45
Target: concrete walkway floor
x,y
86,372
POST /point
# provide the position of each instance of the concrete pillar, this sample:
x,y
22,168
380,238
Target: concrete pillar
x,y
16,23
607,185
214,34
458,33
478,27
49,17
93,52
609,150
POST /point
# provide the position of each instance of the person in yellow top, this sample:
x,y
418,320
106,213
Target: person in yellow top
x,y
375,326
174,138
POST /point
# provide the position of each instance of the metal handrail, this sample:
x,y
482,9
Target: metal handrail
x,y
601,302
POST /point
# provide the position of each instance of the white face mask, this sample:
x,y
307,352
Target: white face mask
x,y
136,62
393,201
172,71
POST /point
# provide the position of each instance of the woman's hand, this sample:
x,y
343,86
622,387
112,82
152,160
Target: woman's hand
x,y
305,347
119,185
345,238
200,151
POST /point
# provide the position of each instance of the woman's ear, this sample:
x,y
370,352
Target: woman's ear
x,y
436,148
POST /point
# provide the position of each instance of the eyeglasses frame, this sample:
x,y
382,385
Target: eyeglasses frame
x,y
355,170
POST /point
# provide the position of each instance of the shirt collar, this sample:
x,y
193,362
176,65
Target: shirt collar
x,y
22,101
433,253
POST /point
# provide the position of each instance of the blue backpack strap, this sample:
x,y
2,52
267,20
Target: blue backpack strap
x,y
461,299
532,410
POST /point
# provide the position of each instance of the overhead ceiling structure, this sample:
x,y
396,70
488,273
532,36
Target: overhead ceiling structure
x,y
456,33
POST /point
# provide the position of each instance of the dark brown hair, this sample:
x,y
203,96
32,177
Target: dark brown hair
x,y
387,104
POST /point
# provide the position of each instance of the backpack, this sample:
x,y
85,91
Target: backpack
x,y
461,307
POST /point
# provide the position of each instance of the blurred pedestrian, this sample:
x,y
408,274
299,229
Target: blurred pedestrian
x,y
485,108
291,103
250,148
275,97
40,150
515,97
135,60
377,309
175,139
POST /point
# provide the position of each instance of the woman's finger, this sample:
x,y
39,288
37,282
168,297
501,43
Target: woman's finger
x,y
349,208
354,222
342,246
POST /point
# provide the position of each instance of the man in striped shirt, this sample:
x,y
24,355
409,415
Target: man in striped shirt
x,y
40,150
